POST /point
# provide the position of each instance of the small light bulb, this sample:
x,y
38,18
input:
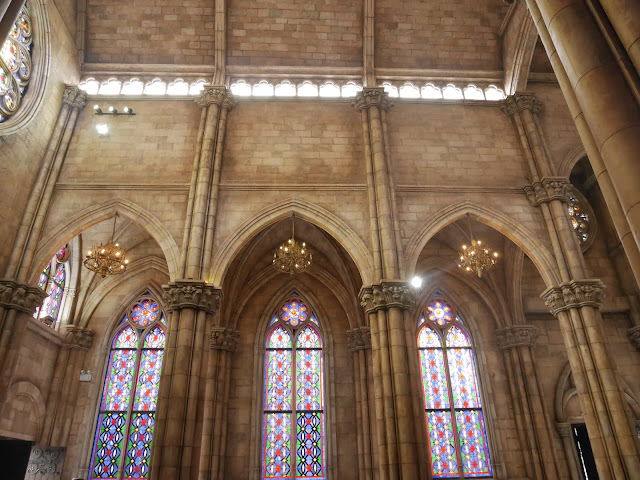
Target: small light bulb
x,y
89,252
102,251
126,261
416,282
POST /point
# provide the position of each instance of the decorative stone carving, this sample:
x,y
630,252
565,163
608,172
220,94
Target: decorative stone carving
x,y
519,102
78,337
563,429
192,294
359,339
634,336
517,336
218,95
372,96
45,463
224,339
548,189
574,294
74,97
385,295
18,296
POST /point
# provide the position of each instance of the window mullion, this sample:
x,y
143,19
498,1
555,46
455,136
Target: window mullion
x,y
294,406
452,409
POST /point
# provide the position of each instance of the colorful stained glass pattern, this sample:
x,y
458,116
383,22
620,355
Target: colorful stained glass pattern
x,y
463,378
294,312
127,338
278,381
314,319
579,219
148,380
15,64
428,338
60,275
155,338
439,312
119,379
279,338
308,338
273,320
52,303
309,379
277,445
62,255
139,446
444,462
473,444
44,277
145,312
434,379
457,338
107,446
309,445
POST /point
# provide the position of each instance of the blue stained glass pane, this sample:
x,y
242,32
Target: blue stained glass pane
x,y
60,275
444,461
308,338
273,320
294,312
119,379
145,312
278,380
473,443
148,380
279,338
439,312
276,455
155,338
463,378
127,338
310,445
139,446
107,445
309,379
314,319
434,379
428,338
456,337
44,276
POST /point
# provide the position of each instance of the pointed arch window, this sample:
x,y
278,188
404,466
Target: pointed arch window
x,y
293,436
453,409
124,428
52,281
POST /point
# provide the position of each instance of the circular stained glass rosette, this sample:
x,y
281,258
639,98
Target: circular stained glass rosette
x,y
15,65
579,219
145,312
62,255
294,313
440,313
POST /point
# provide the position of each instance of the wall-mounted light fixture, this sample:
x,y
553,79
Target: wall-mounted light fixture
x,y
112,110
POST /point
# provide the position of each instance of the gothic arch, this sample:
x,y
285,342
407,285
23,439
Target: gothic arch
x,y
526,240
308,211
27,391
569,161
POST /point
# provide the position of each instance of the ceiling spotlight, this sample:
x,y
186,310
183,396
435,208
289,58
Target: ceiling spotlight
x,y
102,129
112,109
97,109
416,282
128,111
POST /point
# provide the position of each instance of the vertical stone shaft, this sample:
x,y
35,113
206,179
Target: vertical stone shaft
x,y
381,436
364,406
624,15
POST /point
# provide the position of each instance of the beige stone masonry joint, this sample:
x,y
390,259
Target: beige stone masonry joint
x,y
517,336
574,294
192,294
634,336
370,97
521,101
218,95
224,339
359,339
18,296
387,293
74,97
78,337
547,190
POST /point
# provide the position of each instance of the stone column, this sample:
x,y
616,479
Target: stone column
x,y
191,305
359,341
517,344
624,16
573,464
384,305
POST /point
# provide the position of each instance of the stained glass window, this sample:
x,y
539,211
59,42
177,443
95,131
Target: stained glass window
x,y
15,65
124,429
579,219
52,281
293,425
453,410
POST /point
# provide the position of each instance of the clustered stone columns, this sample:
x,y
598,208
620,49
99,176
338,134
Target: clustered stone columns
x,y
63,393
359,342
534,429
386,306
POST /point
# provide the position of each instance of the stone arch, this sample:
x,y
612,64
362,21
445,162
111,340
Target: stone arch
x,y
308,211
98,213
522,237
26,394
569,161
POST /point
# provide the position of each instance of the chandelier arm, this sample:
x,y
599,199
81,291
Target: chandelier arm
x,y
113,232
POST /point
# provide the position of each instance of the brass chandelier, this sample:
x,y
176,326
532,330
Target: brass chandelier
x,y
292,257
107,259
477,257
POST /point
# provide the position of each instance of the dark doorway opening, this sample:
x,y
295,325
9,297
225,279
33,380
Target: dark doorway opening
x,y
585,454
14,458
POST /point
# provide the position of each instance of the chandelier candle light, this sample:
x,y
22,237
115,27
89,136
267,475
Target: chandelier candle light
x,y
292,257
477,257
107,259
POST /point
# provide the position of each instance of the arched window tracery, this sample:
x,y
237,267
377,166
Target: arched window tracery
x,y
453,408
53,281
579,218
293,438
124,428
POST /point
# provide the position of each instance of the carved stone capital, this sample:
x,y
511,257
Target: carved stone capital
x,y
372,97
519,102
387,294
517,336
219,95
18,296
77,337
359,339
74,97
192,294
574,294
548,189
634,336
224,339
563,429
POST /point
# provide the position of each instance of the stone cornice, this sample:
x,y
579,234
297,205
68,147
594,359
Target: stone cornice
x,y
548,189
369,97
191,294
77,337
519,102
18,296
74,96
359,339
224,339
634,336
574,294
218,95
387,294
517,336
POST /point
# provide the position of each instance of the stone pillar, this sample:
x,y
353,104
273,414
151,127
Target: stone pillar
x,y
517,344
223,342
384,305
624,16
191,305
573,464
359,342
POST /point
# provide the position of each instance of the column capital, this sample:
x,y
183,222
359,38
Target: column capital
x,y
224,339
216,94
574,294
359,339
387,293
563,429
18,296
517,336
192,294
74,97
78,337
548,189
521,101
372,97
634,336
